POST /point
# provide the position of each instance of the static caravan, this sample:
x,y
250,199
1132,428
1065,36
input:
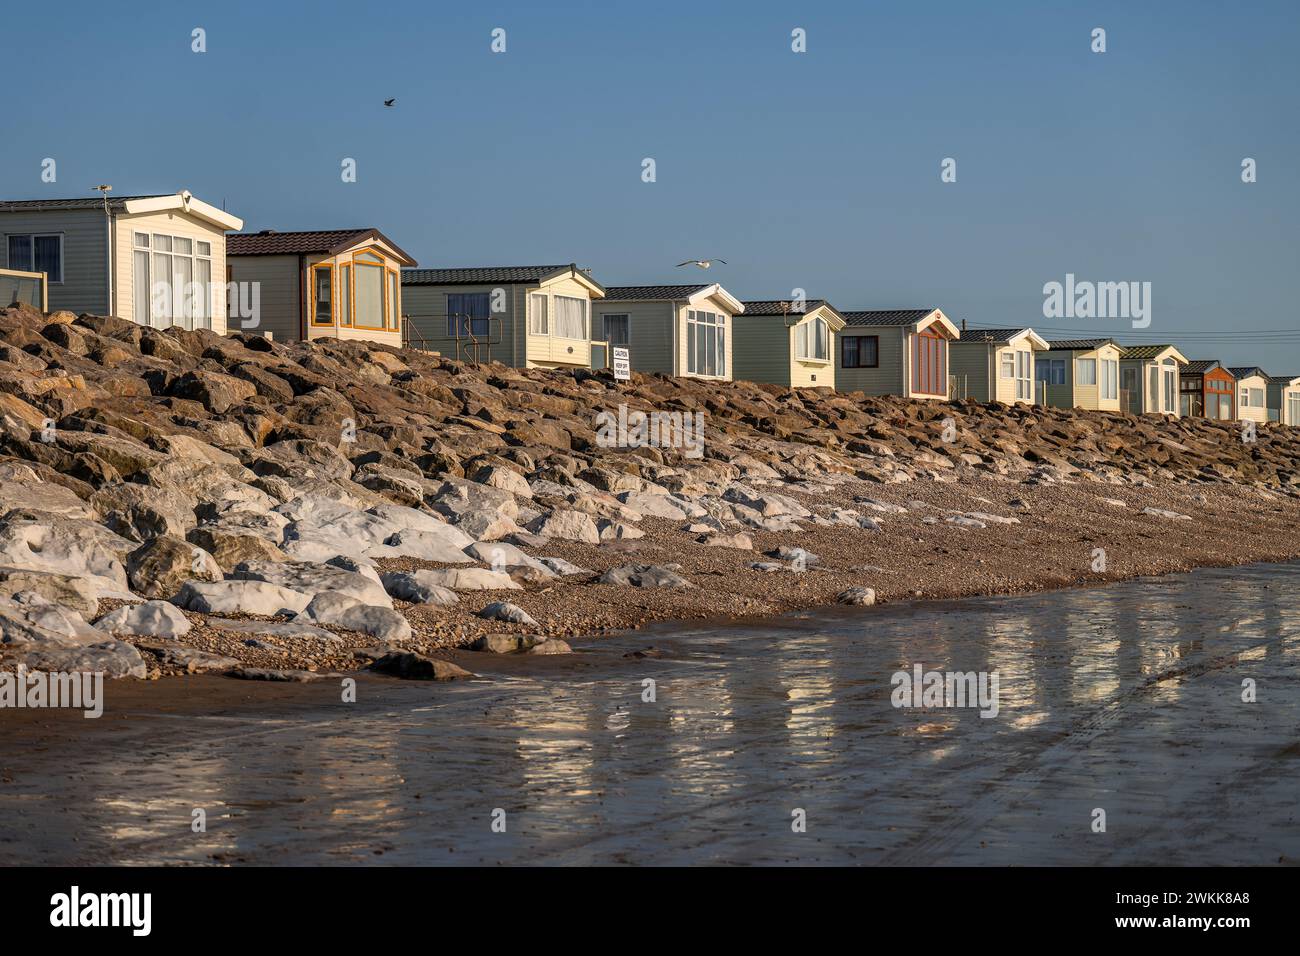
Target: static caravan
x,y
522,316
341,283
773,343
674,329
1252,393
156,260
1284,399
1207,390
1148,379
1081,373
995,365
895,352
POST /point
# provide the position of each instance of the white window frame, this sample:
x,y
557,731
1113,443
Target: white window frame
x,y
151,247
1024,373
31,238
806,338
1007,364
1079,366
1109,375
1244,400
701,318
545,324
584,332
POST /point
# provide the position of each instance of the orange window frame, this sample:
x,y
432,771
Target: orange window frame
x,y
393,310
345,268
315,323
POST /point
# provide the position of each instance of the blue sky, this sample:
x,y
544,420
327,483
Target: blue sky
x,y
817,170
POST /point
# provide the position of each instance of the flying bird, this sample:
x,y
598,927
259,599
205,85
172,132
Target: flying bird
x,y
702,263
390,102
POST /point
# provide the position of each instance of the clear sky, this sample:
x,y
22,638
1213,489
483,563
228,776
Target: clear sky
x,y
817,170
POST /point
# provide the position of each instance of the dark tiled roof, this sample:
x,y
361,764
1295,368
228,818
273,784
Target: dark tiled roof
x,y
1283,378
271,242
475,275
773,306
38,205
1200,366
886,317
1245,371
670,293
1078,345
1142,351
991,335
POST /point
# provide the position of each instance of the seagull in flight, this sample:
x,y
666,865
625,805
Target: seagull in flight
x,y
390,102
702,263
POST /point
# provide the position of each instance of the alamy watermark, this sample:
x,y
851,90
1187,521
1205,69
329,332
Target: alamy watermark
x,y
1098,300
636,429
83,690
936,689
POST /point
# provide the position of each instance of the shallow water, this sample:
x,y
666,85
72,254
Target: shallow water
x,y
1126,698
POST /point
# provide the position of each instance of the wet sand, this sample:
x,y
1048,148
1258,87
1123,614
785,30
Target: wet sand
x,y
1125,697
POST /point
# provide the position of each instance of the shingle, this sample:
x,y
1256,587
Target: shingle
x,y
1141,351
886,317
991,335
773,306
670,293
1200,366
474,275
271,242
1079,345
37,205
1245,371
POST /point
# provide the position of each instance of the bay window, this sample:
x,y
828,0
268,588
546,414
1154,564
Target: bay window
x,y
570,317
706,343
812,341
171,278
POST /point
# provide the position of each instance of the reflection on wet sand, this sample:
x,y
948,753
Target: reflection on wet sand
x,y
1126,698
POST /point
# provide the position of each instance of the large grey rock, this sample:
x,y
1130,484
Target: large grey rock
x,y
457,496
496,476
863,597
505,611
424,545
568,525
416,587
113,659
159,567
311,578
70,546
654,505
140,512
44,496
646,576
341,611
419,667
241,597
470,579
501,555
484,524
71,591
150,619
